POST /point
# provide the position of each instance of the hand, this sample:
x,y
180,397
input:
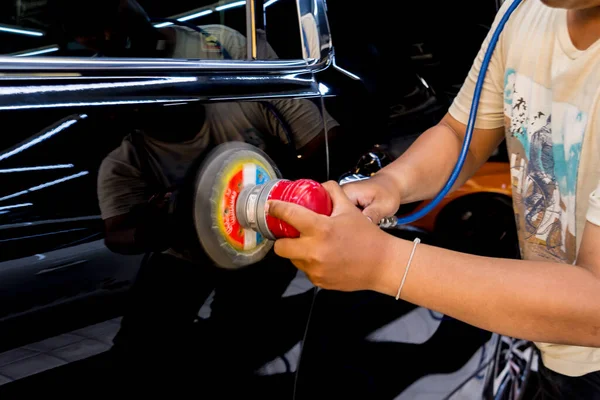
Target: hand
x,y
379,196
342,252
154,222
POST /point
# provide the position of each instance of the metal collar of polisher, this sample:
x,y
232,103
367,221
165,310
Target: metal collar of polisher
x,y
251,206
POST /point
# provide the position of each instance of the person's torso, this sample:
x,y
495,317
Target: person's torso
x,y
551,94
551,106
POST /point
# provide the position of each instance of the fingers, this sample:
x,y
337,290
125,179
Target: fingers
x,y
340,200
301,218
354,193
291,249
375,212
358,195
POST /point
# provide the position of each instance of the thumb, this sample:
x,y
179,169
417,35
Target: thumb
x,y
301,218
355,192
375,212
339,198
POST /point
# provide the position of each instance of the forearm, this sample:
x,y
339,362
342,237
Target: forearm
x,y
537,301
123,242
421,172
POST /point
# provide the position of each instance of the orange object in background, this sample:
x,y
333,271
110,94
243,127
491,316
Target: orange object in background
x,y
492,177
477,218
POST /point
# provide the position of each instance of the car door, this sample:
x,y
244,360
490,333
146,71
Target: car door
x,y
51,238
70,97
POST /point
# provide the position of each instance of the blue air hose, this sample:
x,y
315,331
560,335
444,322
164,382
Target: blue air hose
x,y
470,126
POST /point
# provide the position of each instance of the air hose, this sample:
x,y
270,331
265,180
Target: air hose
x,y
394,221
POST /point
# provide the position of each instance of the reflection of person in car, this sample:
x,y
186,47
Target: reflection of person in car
x,y
122,28
156,164
154,168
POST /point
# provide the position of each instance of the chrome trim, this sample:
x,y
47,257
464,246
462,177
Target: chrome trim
x,y
353,178
315,32
21,92
321,49
124,64
344,71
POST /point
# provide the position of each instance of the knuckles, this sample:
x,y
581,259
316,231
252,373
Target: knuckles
x,y
314,255
325,228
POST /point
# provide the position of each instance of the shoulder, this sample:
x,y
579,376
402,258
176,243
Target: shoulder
x,y
528,14
223,31
122,160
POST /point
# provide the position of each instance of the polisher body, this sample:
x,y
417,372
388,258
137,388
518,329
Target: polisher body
x,y
251,205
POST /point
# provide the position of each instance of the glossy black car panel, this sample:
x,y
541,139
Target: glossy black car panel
x,y
73,90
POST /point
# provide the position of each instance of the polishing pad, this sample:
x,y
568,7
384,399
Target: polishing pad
x,y
226,171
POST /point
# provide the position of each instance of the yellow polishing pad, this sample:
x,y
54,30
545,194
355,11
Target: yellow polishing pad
x,y
226,171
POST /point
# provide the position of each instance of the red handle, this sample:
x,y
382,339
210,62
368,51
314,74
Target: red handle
x,y
305,192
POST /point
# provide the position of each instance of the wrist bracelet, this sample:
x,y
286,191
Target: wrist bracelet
x,y
416,242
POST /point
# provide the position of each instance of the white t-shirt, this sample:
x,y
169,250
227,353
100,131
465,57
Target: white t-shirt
x,y
545,92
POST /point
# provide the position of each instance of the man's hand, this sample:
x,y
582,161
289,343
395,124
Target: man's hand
x,y
344,252
379,196
147,227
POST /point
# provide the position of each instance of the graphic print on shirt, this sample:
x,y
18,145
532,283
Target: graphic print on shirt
x,y
544,143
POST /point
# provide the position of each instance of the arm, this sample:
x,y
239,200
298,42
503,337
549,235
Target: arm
x,y
534,300
421,172
119,235
145,228
135,222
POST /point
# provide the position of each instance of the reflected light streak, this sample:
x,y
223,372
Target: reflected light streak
x,y
323,89
270,2
195,15
40,168
90,104
45,185
346,72
20,31
4,212
41,235
16,206
185,18
61,180
231,5
37,52
41,138
11,196
80,87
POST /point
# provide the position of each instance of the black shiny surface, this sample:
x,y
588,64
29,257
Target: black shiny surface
x,y
58,269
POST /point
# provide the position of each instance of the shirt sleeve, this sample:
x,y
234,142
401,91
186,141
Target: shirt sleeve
x,y
120,183
490,114
304,119
593,212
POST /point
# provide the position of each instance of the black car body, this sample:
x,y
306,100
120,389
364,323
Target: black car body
x,y
67,104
